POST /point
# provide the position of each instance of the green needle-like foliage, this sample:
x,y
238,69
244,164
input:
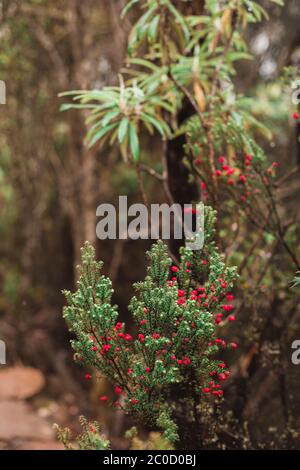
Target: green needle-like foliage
x,y
171,362
89,439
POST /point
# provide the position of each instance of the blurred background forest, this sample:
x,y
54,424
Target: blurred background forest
x,y
50,186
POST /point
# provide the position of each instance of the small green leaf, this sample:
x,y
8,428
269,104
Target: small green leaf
x,y
101,133
134,142
128,7
152,31
123,127
109,116
155,123
144,62
180,19
67,106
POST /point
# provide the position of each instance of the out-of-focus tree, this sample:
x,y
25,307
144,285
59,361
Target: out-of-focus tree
x,y
46,48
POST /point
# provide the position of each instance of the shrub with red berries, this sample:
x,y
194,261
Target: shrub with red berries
x,y
171,362
169,368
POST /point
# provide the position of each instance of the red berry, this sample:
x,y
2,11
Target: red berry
x,y
106,348
141,338
227,308
296,115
